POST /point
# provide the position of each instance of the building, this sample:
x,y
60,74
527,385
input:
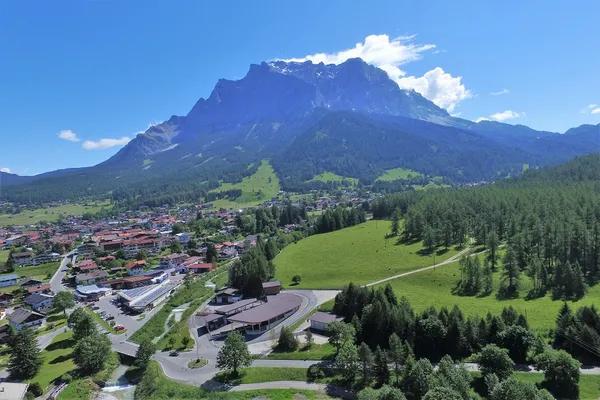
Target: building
x,y
46,258
87,266
43,288
21,318
91,292
13,390
6,299
17,240
23,258
128,282
199,268
39,301
146,298
320,320
183,238
91,278
227,296
206,323
239,306
172,260
8,280
263,318
135,268
271,288
31,282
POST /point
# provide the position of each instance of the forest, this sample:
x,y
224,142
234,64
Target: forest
x,y
547,224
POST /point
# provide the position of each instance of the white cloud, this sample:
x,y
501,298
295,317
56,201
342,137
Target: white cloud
x,y
438,86
501,116
591,109
68,135
500,93
455,115
106,143
150,125
389,54
5,170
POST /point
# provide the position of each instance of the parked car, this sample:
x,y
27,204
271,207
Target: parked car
x,y
119,328
95,308
174,353
109,317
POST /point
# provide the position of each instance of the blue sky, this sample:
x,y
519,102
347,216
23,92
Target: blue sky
x,y
100,71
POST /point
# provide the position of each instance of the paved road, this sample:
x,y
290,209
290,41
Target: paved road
x,y
56,281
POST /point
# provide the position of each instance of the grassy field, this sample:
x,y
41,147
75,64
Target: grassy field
x,y
39,271
155,386
263,374
3,258
331,177
434,288
360,254
398,173
57,359
49,214
589,385
264,181
317,352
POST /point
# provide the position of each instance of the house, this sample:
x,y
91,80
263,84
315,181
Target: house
x,y
46,258
6,299
320,320
228,296
21,318
183,238
30,282
43,288
23,258
8,280
17,240
87,266
200,268
135,268
90,278
271,288
39,301
129,282
91,292
172,260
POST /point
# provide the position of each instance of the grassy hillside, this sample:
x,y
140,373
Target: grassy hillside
x,y
398,173
256,188
50,214
3,258
331,177
434,288
360,254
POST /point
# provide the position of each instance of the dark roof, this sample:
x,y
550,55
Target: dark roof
x,y
39,288
271,284
228,291
31,282
21,315
237,305
212,317
277,305
91,275
23,254
324,317
36,298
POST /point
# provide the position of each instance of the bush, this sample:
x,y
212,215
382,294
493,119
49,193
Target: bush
x,y
66,378
36,389
287,340
314,372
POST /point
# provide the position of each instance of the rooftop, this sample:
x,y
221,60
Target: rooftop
x,y
12,390
237,305
271,284
9,277
324,317
277,305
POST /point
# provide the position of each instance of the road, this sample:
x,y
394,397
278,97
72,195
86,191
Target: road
x,y
56,281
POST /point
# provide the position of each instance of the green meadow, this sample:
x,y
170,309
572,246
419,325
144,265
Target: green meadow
x,y
398,173
360,254
331,177
256,188
29,217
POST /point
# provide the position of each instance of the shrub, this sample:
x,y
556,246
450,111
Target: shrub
x,y
66,378
36,389
287,340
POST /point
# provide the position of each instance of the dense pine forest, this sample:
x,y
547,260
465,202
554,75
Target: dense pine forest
x,y
547,222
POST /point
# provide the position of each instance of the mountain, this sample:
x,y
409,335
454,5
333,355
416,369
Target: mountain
x,y
307,119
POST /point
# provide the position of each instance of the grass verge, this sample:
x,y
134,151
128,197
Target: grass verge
x,y
317,352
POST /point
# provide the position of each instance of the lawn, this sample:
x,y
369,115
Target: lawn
x,y
398,173
57,359
3,258
263,374
317,352
331,177
358,254
42,271
29,217
261,186
434,288
155,386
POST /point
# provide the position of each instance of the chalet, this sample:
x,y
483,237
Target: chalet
x,y
87,266
172,260
112,245
23,258
320,320
135,268
87,249
107,259
43,288
228,296
183,237
271,288
8,280
46,258
17,240
91,277
39,301
6,299
200,268
30,282
21,318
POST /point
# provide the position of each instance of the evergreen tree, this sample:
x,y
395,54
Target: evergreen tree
x,y
347,361
25,358
366,363
511,274
492,244
396,216
382,370
144,353
488,279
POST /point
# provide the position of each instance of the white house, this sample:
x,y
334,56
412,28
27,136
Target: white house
x,y
39,301
21,318
320,320
135,268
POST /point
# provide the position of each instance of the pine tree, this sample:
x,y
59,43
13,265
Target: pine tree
x,y
382,371
396,216
25,359
488,278
492,244
366,363
511,274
